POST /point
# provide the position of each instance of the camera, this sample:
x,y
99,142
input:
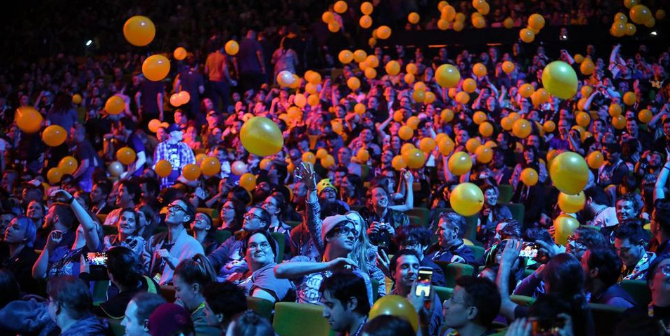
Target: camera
x,y
382,238
546,327
97,259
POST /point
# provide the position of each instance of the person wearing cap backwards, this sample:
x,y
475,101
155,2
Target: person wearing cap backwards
x,y
326,191
174,151
339,235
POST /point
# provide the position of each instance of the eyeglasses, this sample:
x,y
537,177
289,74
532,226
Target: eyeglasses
x,y
345,230
329,191
665,270
261,246
230,207
409,245
175,207
269,204
250,216
575,242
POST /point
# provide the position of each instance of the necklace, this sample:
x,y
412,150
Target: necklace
x,y
360,327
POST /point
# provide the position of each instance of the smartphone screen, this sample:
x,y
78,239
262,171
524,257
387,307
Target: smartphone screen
x,y
423,281
97,258
529,250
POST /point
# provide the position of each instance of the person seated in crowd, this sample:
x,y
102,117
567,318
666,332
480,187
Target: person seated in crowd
x,y
383,220
202,229
630,242
388,325
170,319
228,258
190,279
69,305
491,212
232,215
660,223
64,248
473,306
259,250
223,302
136,316
165,250
627,207
250,323
404,268
129,194
450,246
583,239
602,269
19,237
276,205
98,196
128,226
345,302
125,273
417,238
598,206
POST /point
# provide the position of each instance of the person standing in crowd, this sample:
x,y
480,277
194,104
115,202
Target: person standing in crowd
x,y
217,69
86,156
250,65
174,151
149,100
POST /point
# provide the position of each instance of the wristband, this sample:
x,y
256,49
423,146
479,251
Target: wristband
x,y
70,200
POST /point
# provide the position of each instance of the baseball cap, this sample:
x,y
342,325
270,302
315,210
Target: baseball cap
x,y
323,184
168,319
329,223
173,127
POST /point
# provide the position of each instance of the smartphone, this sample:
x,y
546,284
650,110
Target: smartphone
x,y
423,281
529,250
546,327
97,258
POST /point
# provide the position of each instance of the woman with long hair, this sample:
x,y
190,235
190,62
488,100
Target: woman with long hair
x,y
351,190
128,236
190,278
231,215
531,159
202,228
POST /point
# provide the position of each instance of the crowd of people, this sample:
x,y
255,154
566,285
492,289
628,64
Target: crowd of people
x,y
336,218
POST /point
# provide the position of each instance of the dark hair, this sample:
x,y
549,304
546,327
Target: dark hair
x,y
146,304
225,298
394,261
8,287
631,230
654,265
240,209
135,215
133,188
511,230
483,294
281,204
240,194
357,182
152,186
662,216
251,324
598,195
127,123
414,233
105,187
266,234
388,325
608,264
265,216
637,204
345,285
124,266
565,275
65,215
71,293
196,270
590,237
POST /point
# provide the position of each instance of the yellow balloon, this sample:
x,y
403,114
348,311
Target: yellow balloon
x,y
569,172
447,76
398,306
560,80
529,177
363,155
54,135
565,226
640,14
163,168
467,199
156,67
328,161
508,23
261,136
309,157
68,165
484,154
571,203
595,159
139,31
446,145
460,163
415,158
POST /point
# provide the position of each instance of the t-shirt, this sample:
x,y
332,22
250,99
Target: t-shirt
x,y
66,119
190,81
247,61
136,144
265,279
605,218
149,91
215,65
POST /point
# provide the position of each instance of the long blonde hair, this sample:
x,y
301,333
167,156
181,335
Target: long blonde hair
x,y
362,245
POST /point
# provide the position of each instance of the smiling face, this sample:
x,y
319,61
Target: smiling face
x,y
126,223
259,252
35,211
491,197
406,270
625,210
379,198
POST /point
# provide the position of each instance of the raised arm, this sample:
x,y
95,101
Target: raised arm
x,y
313,209
298,269
89,226
659,188
510,254
409,193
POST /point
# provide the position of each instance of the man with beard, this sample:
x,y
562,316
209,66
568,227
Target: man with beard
x,y
602,269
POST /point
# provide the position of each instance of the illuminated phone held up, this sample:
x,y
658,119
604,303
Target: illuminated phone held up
x,y
423,282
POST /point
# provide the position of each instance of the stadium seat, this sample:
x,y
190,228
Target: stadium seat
x,y
292,224
375,289
221,236
168,292
479,252
212,213
453,271
505,193
261,307
414,220
605,318
638,290
281,244
100,292
471,228
297,319
444,293
116,327
522,300
517,211
422,213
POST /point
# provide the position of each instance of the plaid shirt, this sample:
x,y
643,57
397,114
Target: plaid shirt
x,y
179,155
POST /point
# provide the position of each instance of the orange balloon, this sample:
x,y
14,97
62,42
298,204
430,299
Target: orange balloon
x,y
615,110
139,31
156,67
398,163
526,90
328,161
163,168
363,155
68,165
460,163
210,166
392,68
248,181
479,70
191,172
179,53
484,154
469,85
447,76
54,175
309,157
521,128
595,160
76,98
405,132
479,117
446,145
126,155
645,116
462,97
427,145
486,129
549,126
472,144
54,135
415,158
619,122
529,177
353,83
507,67
413,122
507,123
447,115
232,48
115,105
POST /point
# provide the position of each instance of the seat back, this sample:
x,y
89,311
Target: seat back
x,y
212,213
261,307
505,193
280,238
453,271
168,292
479,252
100,291
116,327
522,300
605,317
297,319
221,236
638,290
422,213
444,293
517,211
